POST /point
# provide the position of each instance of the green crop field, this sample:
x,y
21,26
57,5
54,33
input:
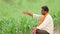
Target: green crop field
x,y
13,21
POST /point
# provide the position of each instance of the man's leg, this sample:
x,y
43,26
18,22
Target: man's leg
x,y
38,31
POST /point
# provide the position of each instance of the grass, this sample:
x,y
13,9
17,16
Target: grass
x,y
13,21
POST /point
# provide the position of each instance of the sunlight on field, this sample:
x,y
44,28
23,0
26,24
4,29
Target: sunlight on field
x,y
13,21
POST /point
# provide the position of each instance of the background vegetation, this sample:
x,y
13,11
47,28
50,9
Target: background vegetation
x,y
13,21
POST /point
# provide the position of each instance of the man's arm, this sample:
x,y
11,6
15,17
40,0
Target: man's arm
x,y
27,13
33,15
37,16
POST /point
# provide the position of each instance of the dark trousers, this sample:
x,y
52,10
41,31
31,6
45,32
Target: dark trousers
x,y
38,31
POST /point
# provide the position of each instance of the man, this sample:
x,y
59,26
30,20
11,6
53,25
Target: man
x,y
45,26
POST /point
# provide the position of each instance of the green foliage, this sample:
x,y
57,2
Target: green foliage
x,y
13,21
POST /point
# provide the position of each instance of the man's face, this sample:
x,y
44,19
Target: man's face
x,y
43,12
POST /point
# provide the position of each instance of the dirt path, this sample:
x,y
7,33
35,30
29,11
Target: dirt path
x,y
57,31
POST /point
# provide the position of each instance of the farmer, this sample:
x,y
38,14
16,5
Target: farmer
x,y
45,25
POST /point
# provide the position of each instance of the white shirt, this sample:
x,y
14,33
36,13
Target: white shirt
x,y
47,23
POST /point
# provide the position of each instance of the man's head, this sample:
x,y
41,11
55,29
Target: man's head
x,y
44,10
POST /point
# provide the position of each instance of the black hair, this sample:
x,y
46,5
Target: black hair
x,y
45,8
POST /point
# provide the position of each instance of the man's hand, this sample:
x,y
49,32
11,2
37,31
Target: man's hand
x,y
25,12
34,31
